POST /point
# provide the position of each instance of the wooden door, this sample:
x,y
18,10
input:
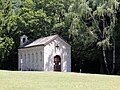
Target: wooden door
x,y
57,63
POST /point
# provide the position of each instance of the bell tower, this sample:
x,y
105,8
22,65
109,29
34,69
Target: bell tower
x,y
23,39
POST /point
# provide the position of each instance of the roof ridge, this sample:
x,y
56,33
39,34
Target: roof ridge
x,y
42,41
49,36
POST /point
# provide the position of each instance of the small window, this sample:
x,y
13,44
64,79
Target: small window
x,y
36,56
29,57
25,56
29,60
24,40
25,59
33,61
36,59
40,56
32,57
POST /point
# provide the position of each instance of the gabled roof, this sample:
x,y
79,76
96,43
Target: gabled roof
x,y
40,41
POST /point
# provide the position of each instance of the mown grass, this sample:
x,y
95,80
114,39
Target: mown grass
x,y
22,80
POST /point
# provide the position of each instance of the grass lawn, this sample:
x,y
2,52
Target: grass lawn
x,y
17,80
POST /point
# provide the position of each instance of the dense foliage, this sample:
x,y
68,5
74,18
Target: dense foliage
x,y
90,26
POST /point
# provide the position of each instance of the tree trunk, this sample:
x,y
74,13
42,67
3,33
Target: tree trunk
x,y
101,66
113,68
105,61
104,54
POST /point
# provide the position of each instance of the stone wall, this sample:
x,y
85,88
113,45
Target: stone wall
x,y
63,50
32,59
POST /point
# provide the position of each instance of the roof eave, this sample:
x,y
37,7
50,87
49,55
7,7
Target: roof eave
x,y
31,46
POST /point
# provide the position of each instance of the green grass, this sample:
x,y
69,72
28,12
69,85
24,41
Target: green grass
x,y
16,80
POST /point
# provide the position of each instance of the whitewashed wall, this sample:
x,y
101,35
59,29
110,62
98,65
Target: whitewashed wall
x,y
32,58
48,57
64,52
45,59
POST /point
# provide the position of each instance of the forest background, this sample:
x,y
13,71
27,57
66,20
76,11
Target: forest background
x,y
91,27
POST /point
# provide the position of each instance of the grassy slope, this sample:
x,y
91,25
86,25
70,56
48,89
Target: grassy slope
x,y
10,80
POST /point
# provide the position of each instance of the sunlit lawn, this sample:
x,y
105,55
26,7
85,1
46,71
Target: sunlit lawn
x,y
17,80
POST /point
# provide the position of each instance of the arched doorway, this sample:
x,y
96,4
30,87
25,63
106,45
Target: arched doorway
x,y
57,63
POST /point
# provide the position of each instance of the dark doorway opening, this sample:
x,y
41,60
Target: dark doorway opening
x,y
57,63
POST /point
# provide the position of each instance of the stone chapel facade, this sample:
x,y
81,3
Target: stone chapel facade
x,y
50,53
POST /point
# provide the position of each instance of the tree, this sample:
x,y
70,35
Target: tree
x,y
41,18
7,31
34,18
94,21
